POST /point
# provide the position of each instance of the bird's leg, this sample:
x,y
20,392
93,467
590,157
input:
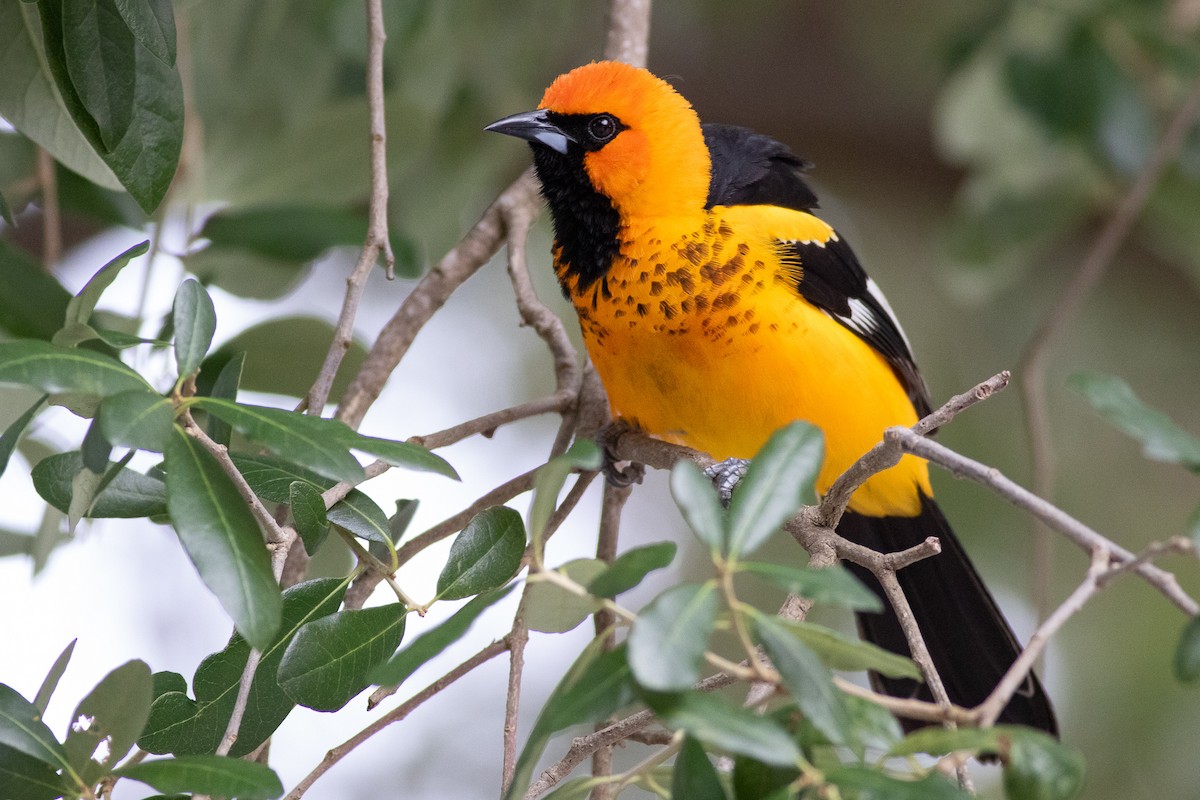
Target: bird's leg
x,y
726,475
618,473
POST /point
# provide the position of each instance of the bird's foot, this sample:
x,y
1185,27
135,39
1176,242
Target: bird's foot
x,y
726,475
618,473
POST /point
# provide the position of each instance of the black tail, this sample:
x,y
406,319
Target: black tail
x,y
968,638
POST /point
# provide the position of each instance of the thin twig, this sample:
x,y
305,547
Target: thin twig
x,y
1062,313
990,709
518,638
378,241
400,712
278,537
604,619
52,241
474,250
1056,518
558,402
885,454
239,705
582,747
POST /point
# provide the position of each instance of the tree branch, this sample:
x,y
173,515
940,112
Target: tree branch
x,y
1062,313
400,712
378,241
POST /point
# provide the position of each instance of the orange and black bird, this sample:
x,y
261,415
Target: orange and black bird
x,y
717,308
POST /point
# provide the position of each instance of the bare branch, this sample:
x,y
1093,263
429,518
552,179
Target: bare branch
x,y
560,402
1062,314
518,638
430,294
52,242
1056,518
628,32
378,241
239,705
400,712
582,747
990,709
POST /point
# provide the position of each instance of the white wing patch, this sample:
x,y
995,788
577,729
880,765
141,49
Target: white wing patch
x,y
877,293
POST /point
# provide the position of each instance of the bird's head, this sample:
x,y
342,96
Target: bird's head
x,y
633,138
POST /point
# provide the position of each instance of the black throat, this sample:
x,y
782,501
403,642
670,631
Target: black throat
x,y
585,222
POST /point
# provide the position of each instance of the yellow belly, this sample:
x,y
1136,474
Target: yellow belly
x,y
718,359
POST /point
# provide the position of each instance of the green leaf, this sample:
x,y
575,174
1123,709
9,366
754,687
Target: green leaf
x,y
21,728
485,555
166,681
552,609
181,725
272,478
25,778
221,538
668,640
32,303
146,153
1041,768
697,499
1162,439
83,304
30,101
1187,653
399,454
66,370
843,652
225,387
597,684
431,643
870,784
115,713
875,726
50,682
311,441
12,434
939,741
549,482
754,780
694,776
252,276
212,775
629,568
138,419
808,681
195,322
779,479
128,495
720,724
308,514
95,449
328,661
832,585
153,23
283,354
6,213
99,51
286,232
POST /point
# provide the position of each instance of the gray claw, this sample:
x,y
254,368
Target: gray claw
x,y
727,474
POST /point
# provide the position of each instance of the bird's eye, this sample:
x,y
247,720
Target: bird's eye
x,y
602,128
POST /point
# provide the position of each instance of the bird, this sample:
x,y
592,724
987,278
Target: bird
x,y
717,307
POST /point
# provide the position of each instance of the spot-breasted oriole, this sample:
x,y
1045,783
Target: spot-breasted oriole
x,y
716,308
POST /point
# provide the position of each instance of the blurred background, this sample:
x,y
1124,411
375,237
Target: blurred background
x,y
970,152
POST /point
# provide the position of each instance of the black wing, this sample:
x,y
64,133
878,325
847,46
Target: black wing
x,y
749,168
833,280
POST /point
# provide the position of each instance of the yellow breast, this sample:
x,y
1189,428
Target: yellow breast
x,y
701,338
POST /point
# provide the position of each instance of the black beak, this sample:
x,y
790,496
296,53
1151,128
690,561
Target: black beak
x,y
533,126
